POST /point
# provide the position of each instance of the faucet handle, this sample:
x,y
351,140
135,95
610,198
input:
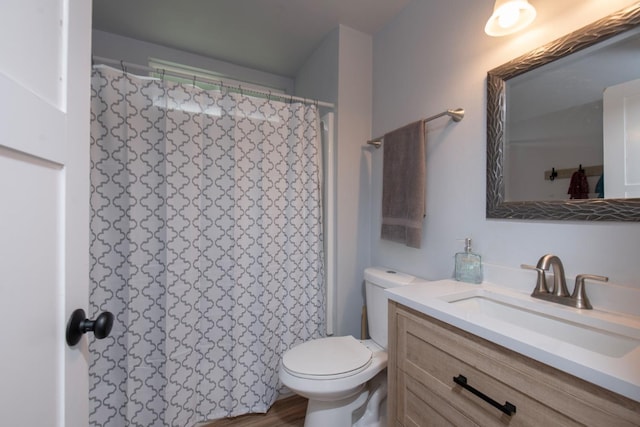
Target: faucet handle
x,y
541,283
579,292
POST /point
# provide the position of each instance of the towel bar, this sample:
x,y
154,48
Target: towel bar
x,y
456,115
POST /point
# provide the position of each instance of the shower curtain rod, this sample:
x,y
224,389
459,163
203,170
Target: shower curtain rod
x,y
269,95
456,115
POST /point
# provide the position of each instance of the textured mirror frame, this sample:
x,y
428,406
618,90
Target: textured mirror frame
x,y
586,209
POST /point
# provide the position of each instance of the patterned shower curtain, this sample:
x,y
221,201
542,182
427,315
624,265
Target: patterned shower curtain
x,y
206,245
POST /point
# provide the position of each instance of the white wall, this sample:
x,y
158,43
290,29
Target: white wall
x,y
318,76
135,51
354,127
339,71
434,56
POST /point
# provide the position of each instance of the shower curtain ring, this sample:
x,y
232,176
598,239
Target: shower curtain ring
x,y
194,81
162,77
124,69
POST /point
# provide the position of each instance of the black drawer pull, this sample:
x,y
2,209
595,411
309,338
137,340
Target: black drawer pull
x,y
507,408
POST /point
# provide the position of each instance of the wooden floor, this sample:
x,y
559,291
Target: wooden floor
x,y
288,412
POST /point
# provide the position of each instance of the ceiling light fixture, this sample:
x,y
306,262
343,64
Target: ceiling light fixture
x,y
509,16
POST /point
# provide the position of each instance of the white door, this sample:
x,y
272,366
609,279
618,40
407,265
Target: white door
x,y
44,199
621,132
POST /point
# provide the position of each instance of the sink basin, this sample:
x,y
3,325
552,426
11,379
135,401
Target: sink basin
x,y
597,335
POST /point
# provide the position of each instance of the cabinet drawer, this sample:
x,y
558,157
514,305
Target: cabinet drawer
x,y
436,369
431,353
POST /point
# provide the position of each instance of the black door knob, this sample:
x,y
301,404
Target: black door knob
x,y
79,324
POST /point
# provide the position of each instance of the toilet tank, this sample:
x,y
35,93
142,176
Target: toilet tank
x,y
376,280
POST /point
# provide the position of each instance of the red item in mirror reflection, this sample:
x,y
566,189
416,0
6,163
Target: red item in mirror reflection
x,y
579,186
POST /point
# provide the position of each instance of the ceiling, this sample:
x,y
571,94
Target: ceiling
x,y
275,36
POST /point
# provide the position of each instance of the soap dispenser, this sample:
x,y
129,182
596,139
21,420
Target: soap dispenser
x,y
468,265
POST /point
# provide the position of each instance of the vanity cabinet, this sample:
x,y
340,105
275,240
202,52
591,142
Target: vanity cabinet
x,y
426,354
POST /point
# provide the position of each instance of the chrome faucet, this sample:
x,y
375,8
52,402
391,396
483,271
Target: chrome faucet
x,y
559,281
559,292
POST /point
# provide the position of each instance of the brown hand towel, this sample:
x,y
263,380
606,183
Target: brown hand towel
x,y
403,185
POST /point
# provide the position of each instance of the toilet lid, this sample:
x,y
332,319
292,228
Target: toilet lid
x,y
328,357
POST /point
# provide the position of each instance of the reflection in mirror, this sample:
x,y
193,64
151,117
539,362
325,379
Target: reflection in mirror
x,y
555,119
551,133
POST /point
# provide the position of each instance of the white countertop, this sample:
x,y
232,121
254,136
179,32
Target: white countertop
x,y
616,372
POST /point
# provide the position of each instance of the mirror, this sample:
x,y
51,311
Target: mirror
x,y
518,128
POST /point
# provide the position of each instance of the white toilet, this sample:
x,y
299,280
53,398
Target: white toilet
x,y
344,378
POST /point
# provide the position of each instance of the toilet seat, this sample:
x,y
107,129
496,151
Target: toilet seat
x,y
327,358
